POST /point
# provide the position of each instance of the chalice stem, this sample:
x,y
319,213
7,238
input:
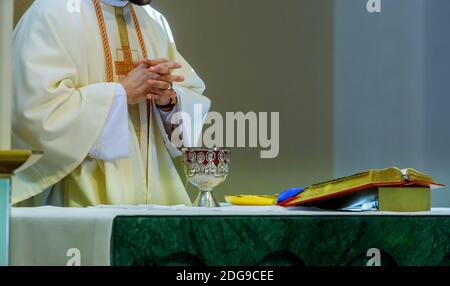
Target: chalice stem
x,y
206,199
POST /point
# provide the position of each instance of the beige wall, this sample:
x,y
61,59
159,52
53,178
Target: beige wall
x,y
20,6
262,55
258,55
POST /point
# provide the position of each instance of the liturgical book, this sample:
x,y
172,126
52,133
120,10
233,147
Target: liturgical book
x,y
373,179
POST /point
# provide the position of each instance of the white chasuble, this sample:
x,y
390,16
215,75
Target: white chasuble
x,y
63,95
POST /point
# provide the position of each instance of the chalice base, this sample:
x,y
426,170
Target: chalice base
x,y
205,199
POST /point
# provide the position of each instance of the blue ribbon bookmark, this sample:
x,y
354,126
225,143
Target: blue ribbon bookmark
x,y
289,193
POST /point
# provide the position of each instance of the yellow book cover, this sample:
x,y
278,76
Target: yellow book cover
x,y
389,177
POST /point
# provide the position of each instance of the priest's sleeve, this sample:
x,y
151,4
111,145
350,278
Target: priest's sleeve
x,y
112,143
193,106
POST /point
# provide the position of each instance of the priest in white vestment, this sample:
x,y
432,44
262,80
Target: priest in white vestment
x,y
96,86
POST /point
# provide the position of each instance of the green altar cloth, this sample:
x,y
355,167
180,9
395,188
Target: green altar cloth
x,y
314,240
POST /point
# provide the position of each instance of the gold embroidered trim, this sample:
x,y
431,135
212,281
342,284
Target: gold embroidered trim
x,y
105,41
104,34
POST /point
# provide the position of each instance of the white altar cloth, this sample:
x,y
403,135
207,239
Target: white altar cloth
x,y
43,236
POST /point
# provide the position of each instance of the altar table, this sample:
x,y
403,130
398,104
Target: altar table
x,y
229,236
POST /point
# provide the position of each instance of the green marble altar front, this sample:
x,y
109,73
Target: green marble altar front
x,y
280,240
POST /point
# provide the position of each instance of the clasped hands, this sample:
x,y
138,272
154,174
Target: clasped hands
x,y
152,80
